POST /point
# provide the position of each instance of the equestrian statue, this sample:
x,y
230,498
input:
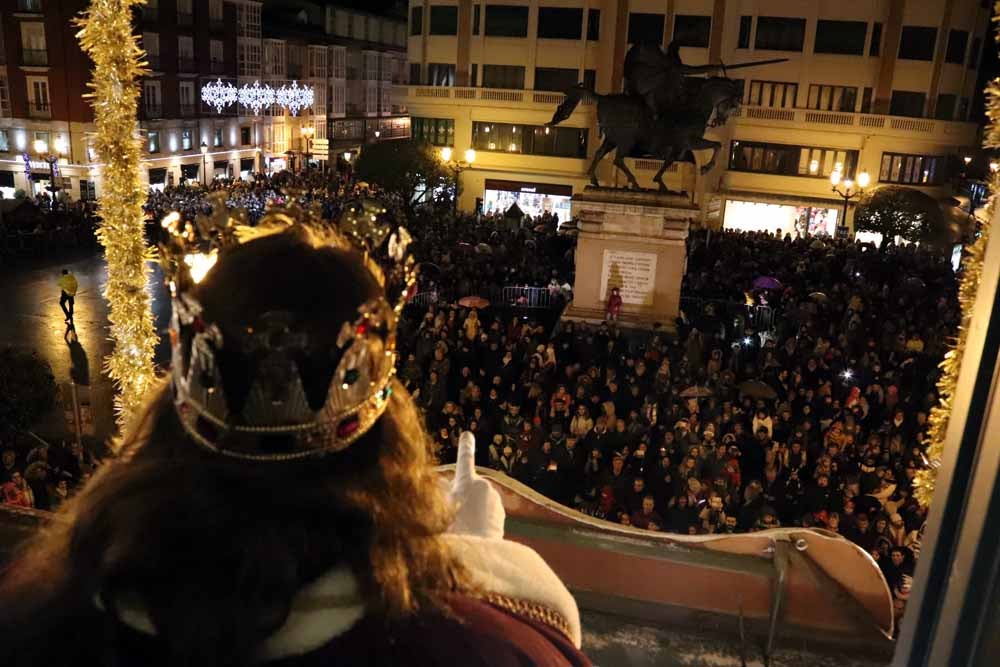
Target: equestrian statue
x,y
663,113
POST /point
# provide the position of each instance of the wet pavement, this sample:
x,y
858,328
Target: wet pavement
x,y
30,317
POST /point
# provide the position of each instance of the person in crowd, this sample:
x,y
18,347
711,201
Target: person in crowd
x,y
67,294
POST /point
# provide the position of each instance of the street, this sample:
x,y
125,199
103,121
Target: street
x,y
30,317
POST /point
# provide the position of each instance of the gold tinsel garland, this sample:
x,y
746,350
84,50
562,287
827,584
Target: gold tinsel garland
x,y
951,365
106,36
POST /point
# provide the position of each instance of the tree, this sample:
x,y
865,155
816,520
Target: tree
x,y
404,170
894,210
28,388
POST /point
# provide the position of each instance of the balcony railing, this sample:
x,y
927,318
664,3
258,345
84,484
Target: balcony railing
x,y
29,5
832,121
188,109
491,95
35,57
218,67
187,65
154,61
185,18
152,111
39,109
294,71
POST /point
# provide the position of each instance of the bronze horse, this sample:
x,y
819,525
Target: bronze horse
x,y
629,128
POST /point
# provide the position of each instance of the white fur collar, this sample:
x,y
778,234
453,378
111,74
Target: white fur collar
x,y
331,605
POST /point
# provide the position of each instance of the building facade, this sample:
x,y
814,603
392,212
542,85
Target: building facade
x,y
880,87
353,61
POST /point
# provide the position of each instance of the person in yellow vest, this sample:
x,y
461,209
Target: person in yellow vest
x,y
67,283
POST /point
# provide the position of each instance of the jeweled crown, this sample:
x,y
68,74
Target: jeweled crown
x,y
318,406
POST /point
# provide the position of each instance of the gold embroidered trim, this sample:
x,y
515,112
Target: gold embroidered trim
x,y
530,610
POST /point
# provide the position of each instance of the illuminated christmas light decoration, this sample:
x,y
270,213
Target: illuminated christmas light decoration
x,y
219,95
257,96
106,36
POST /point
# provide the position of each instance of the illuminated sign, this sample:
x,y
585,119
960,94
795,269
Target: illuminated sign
x,y
256,96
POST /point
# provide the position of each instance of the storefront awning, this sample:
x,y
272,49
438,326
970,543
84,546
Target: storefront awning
x,y
531,187
775,198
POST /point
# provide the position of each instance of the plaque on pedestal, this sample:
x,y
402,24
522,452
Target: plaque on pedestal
x,y
635,241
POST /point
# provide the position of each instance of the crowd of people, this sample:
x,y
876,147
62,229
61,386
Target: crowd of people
x,y
818,421
43,223
43,476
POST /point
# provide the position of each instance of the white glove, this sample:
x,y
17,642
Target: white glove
x,y
478,508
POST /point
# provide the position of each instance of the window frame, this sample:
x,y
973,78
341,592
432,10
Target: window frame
x,y
908,162
771,22
841,46
568,17
499,25
700,26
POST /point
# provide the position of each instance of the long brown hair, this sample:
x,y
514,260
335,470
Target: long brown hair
x,y
216,548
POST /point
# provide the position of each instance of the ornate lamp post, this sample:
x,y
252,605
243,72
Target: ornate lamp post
x,y
457,167
42,149
849,192
307,133
204,154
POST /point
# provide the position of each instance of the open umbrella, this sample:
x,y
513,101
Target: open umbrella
x,y
766,282
484,249
819,297
473,302
696,392
757,389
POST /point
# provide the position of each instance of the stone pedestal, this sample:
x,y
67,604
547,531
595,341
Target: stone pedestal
x,y
634,240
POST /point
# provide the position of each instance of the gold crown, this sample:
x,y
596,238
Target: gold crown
x,y
271,346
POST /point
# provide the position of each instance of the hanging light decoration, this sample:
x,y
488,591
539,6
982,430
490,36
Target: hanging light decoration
x,y
256,96
219,95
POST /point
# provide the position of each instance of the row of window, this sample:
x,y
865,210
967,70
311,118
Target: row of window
x,y
506,137
824,97
773,33
556,79
815,162
510,21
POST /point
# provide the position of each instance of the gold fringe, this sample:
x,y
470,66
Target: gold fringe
x,y
951,365
106,36
530,610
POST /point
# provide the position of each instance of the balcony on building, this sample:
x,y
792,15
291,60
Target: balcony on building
x,y
185,18
152,111
294,71
187,65
188,110
34,57
29,6
154,61
217,66
37,109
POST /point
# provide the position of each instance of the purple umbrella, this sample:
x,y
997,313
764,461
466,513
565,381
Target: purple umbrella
x,y
766,282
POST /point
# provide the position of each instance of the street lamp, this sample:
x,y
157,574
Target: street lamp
x,y
849,192
994,165
42,149
308,131
204,173
457,167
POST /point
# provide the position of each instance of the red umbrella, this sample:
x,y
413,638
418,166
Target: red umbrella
x,y
473,302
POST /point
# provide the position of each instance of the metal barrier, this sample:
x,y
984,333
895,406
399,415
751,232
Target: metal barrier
x,y
527,297
425,299
511,296
756,318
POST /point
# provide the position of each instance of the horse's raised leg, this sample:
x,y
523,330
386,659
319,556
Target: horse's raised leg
x,y
702,144
602,150
620,163
668,159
